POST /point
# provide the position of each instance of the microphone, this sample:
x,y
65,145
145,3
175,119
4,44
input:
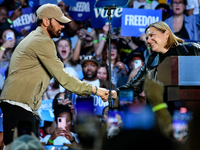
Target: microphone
x,y
110,7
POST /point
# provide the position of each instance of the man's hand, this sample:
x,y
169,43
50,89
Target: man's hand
x,y
102,92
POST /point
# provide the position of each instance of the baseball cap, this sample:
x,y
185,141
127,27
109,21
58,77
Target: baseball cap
x,y
51,11
26,142
89,58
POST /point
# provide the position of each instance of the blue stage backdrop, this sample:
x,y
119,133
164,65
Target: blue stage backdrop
x,y
134,21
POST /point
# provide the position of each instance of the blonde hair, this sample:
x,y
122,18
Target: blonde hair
x,y
161,26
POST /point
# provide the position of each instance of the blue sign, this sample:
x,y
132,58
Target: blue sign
x,y
70,2
118,3
98,103
67,2
99,16
81,12
33,3
46,111
27,21
135,21
48,1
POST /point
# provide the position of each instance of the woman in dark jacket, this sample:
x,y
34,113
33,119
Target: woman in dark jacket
x,y
163,43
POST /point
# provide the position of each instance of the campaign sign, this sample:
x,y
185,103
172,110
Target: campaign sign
x,y
118,3
33,3
99,16
46,111
41,2
70,2
27,21
134,21
67,2
81,12
97,107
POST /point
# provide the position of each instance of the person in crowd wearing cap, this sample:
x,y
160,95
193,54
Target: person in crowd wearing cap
x,y
33,63
90,66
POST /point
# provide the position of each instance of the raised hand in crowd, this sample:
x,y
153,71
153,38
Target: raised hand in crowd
x,y
120,65
17,13
57,132
128,40
101,44
8,44
133,73
72,28
71,106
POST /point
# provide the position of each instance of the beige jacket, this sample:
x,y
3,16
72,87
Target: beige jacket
x,y
33,63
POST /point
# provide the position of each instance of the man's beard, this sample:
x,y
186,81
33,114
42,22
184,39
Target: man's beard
x,y
52,32
91,76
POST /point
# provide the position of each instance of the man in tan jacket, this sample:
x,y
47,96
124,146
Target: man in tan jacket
x,y
33,63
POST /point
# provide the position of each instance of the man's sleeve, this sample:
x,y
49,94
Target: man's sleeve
x,y
47,54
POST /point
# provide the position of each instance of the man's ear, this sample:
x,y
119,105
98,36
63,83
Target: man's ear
x,y
45,22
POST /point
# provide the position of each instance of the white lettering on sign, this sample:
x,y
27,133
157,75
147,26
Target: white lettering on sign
x,y
81,7
140,20
25,20
103,13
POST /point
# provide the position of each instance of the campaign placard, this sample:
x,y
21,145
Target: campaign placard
x,y
134,21
46,111
99,16
27,21
80,12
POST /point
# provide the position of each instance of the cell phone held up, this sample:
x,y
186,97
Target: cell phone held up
x,y
61,123
17,4
9,36
69,97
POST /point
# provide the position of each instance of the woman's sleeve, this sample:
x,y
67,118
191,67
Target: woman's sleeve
x,y
136,84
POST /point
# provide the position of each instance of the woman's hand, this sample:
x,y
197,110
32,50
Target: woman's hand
x,y
9,44
69,136
57,132
81,34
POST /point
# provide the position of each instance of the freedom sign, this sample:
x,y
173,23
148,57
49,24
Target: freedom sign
x,y
99,16
134,21
81,12
27,21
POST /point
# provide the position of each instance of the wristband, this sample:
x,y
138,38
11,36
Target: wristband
x,y
2,48
149,1
9,21
96,90
159,107
103,38
50,141
95,41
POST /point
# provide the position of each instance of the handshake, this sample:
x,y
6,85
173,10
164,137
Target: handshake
x,y
103,93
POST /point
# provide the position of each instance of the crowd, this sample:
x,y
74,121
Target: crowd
x,y
84,52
